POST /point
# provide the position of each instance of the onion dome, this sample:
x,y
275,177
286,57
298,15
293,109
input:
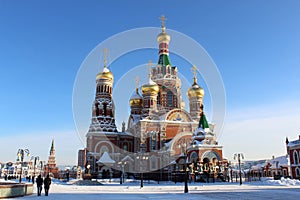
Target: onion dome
x,y
136,99
195,91
105,74
150,88
163,37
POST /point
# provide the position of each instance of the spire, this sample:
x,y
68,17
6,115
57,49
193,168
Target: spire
x,y
203,122
163,39
52,146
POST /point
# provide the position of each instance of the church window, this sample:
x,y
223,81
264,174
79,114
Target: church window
x,y
125,147
153,141
297,172
158,98
104,109
103,149
97,109
169,99
296,157
193,157
101,89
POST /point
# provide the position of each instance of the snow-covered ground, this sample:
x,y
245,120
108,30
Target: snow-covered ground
x,y
266,189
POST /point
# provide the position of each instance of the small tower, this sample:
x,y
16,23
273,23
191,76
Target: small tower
x,y
103,107
165,75
195,94
150,91
51,165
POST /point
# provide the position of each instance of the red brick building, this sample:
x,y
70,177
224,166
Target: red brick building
x,y
293,150
159,129
51,167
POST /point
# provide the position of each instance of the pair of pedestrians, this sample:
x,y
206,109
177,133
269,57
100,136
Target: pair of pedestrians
x,y
40,182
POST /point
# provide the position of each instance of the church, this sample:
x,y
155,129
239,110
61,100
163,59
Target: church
x,y
160,136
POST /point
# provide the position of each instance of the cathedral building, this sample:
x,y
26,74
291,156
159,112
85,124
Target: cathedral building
x,y
158,128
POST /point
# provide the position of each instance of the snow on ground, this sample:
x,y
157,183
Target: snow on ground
x,y
271,189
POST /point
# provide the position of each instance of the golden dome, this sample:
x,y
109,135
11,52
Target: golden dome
x,y
106,74
195,91
150,88
163,37
136,99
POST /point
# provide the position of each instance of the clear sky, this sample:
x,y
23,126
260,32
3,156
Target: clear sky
x,y
255,44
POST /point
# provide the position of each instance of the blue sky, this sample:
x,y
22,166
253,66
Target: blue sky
x,y
255,44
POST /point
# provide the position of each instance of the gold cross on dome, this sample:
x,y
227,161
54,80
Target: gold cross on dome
x,y
194,70
150,64
137,82
105,51
163,19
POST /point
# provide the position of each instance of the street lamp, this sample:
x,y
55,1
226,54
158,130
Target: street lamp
x,y
20,154
36,159
184,149
141,157
239,156
122,177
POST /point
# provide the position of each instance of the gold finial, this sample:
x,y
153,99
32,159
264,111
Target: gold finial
x,y
150,64
137,82
163,19
105,51
194,70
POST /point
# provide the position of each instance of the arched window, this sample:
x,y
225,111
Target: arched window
x,y
158,98
101,90
104,109
97,109
153,141
103,149
296,157
125,147
169,99
297,172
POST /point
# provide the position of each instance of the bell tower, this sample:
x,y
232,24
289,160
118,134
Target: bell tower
x,y
103,111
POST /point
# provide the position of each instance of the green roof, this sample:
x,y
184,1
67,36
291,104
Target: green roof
x,y
203,122
164,60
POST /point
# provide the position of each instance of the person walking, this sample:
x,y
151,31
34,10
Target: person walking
x,y
47,183
39,184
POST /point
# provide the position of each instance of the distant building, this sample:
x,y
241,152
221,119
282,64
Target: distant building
x,y
293,150
51,167
82,157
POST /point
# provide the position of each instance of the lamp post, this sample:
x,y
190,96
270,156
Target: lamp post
x,y
36,159
20,154
184,150
41,169
239,156
122,177
141,157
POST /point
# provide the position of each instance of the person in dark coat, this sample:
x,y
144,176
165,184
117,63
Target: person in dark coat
x,y
39,184
47,183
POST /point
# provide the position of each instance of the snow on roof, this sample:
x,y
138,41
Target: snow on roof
x,y
294,143
282,161
105,159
